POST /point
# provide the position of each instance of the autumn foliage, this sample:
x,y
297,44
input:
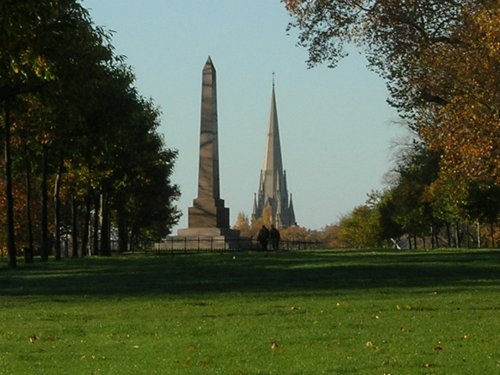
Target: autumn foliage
x,y
440,60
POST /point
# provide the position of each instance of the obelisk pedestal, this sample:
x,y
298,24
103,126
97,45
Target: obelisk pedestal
x,y
208,217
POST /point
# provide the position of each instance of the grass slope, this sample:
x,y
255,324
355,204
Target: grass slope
x,y
342,312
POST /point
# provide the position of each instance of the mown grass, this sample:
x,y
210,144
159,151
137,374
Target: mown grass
x,y
322,312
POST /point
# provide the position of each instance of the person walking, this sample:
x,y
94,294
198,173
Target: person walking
x,y
263,237
274,237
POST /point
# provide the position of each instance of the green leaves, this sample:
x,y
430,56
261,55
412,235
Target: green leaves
x,y
70,95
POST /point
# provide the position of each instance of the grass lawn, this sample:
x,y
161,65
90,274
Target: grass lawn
x,y
321,312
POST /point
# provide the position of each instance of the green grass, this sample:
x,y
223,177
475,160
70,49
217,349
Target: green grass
x,y
342,312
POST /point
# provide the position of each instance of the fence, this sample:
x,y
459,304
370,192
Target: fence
x,y
177,244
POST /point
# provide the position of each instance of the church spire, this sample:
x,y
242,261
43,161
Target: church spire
x,y
273,165
272,186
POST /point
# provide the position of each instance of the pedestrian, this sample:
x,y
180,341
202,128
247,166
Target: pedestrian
x,y
274,237
263,237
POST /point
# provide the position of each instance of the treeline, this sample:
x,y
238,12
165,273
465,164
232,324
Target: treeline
x,y
83,162
420,210
440,62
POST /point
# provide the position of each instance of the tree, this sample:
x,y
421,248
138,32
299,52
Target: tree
x,y
294,233
483,205
23,69
390,228
440,62
142,193
360,228
62,88
243,225
328,237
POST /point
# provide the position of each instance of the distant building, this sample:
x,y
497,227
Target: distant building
x,y
273,191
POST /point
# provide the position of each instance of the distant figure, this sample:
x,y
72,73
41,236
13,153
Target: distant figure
x,y
263,237
274,237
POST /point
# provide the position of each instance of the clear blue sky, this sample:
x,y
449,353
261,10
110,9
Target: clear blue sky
x,y
335,126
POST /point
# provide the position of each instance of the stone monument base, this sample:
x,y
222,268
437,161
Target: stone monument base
x,y
207,239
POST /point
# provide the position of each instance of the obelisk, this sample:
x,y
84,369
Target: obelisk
x,y
208,216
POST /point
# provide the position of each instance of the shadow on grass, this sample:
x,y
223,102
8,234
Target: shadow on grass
x,y
253,272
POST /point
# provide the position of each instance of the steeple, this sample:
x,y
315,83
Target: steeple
x,y
291,212
273,187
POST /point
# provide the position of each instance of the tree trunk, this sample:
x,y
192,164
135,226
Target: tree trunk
x,y
28,252
86,223
9,198
457,235
105,225
123,235
96,227
133,240
448,233
74,225
44,251
437,230
492,233
478,232
57,211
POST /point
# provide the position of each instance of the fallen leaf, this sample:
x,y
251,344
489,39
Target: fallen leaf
x,y
33,338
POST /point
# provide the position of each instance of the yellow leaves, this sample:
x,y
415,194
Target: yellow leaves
x,y
31,65
486,22
294,233
33,338
243,225
466,128
371,345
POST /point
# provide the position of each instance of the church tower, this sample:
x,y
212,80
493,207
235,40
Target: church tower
x,y
273,191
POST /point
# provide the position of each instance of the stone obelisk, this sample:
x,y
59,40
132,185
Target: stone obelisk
x,y
208,216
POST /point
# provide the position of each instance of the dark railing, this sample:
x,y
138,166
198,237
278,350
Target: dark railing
x,y
196,244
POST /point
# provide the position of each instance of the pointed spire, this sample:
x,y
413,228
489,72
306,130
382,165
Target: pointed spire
x,y
272,159
291,212
254,211
273,186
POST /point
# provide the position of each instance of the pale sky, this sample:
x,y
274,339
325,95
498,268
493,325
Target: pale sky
x,y
335,125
